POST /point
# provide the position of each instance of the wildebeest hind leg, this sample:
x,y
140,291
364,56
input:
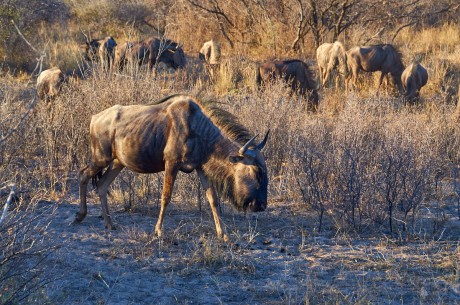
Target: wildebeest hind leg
x,y
213,202
382,75
85,175
102,188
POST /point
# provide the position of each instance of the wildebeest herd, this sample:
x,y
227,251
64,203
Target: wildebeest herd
x,y
182,133
297,74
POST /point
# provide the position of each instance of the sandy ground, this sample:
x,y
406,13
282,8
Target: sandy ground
x,y
275,257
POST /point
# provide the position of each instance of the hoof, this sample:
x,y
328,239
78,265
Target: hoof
x,y
79,217
75,222
225,238
110,227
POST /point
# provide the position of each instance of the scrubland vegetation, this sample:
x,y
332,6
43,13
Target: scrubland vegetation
x,y
363,169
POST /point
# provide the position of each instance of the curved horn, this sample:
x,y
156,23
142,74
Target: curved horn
x,y
243,149
264,141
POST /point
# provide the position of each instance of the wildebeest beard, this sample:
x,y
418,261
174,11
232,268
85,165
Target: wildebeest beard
x,y
219,173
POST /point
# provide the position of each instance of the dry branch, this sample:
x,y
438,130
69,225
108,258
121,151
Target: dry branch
x,y
3,138
41,54
8,202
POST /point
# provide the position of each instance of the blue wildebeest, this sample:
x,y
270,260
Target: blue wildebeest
x,y
210,52
49,83
151,51
178,133
102,50
330,56
413,78
168,52
294,72
211,55
385,58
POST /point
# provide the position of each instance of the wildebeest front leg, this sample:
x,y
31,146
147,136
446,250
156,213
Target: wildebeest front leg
x,y
102,189
170,177
321,75
353,76
382,75
213,201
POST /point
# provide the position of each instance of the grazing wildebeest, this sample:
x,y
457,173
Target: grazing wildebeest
x,y
151,51
102,50
385,58
210,52
178,133
168,52
330,56
413,78
294,72
49,83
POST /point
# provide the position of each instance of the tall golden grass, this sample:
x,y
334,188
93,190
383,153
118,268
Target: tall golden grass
x,y
362,161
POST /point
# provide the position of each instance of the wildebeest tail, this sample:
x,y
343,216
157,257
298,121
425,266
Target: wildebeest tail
x,y
96,178
258,78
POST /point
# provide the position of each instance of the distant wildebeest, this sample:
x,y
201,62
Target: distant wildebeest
x,y
102,50
179,133
294,72
168,52
210,52
385,58
330,56
413,78
49,83
211,55
151,51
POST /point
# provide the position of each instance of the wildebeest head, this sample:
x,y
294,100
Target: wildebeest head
x,y
179,58
166,51
174,57
250,177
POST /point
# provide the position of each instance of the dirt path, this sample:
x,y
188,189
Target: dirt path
x,y
276,258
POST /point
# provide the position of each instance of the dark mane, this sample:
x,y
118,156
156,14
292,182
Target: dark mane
x,y
165,99
290,61
310,76
397,52
226,121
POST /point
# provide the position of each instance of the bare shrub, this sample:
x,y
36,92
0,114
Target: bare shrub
x,y
372,164
24,252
